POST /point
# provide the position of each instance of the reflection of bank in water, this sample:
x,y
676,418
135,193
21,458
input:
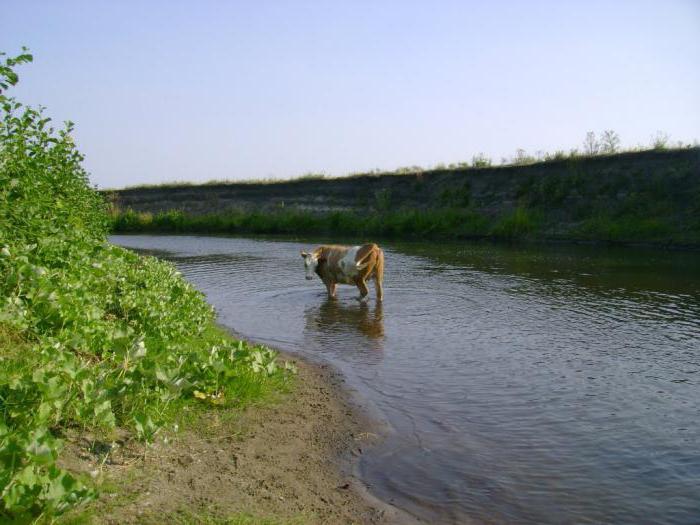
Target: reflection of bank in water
x,y
334,318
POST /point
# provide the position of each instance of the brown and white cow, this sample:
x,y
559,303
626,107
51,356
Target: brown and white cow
x,y
347,265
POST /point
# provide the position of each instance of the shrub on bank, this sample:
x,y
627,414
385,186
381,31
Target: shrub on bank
x,y
92,336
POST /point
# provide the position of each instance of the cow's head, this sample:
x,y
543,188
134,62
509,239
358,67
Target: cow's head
x,y
310,264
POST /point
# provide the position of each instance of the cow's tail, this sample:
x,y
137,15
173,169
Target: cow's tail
x,y
379,274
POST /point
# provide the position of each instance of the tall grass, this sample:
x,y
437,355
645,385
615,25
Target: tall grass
x,y
627,228
436,223
520,223
516,224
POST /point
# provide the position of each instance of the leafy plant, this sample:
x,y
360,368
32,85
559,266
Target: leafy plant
x,y
108,338
481,161
660,140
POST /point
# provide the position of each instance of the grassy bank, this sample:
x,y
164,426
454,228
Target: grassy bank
x,y
93,338
640,196
522,223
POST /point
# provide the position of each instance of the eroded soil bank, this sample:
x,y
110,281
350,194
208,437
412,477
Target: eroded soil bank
x,y
289,461
632,197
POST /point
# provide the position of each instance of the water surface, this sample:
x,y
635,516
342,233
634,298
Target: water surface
x,y
522,385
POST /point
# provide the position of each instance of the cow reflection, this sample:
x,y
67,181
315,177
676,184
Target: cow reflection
x,y
333,316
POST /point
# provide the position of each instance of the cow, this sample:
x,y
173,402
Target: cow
x,y
347,265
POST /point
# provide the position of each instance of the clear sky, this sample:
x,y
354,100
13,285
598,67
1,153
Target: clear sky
x,y
199,90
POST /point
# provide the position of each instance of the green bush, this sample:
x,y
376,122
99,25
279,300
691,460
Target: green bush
x,y
91,335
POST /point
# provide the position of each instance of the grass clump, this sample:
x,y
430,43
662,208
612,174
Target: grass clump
x,y
516,224
92,336
625,228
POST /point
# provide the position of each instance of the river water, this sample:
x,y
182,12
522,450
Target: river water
x,y
520,384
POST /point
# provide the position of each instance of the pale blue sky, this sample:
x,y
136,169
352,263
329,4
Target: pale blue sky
x,y
200,90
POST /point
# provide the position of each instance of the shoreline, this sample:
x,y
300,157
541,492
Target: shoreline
x,y
361,419
293,459
368,432
520,241
637,198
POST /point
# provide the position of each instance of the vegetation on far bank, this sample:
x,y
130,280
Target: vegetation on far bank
x,y
521,223
606,144
648,196
92,337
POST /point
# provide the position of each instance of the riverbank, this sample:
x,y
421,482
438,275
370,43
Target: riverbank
x,y
635,197
522,225
98,345
289,460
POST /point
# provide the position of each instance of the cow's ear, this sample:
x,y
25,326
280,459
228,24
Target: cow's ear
x,y
304,254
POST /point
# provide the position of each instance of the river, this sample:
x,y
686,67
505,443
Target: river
x,y
535,384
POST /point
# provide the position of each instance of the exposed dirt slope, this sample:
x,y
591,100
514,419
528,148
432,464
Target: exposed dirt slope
x,y
673,175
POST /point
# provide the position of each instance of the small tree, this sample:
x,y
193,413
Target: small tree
x,y
481,161
557,155
660,140
521,158
8,76
609,142
590,144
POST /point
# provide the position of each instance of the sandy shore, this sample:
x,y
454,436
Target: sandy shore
x,y
288,462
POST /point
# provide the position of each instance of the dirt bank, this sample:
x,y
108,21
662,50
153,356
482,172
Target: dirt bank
x,y
287,462
645,196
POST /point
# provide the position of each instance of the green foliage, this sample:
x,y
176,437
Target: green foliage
x,y
8,76
32,484
312,176
562,200
518,223
557,156
382,199
91,335
459,196
481,161
607,145
549,191
446,223
522,158
624,228
660,140
404,223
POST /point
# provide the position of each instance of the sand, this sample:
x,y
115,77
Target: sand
x,y
289,461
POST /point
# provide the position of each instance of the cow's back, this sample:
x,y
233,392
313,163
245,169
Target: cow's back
x,y
339,263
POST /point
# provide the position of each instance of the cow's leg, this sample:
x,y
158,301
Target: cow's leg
x,y
362,285
330,286
379,288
